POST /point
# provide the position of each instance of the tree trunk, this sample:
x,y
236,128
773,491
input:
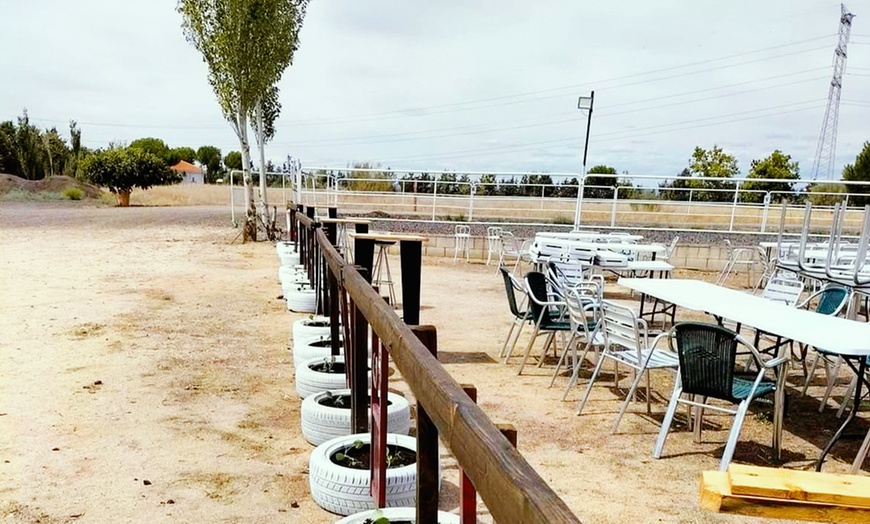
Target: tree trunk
x,y
261,144
123,198
249,233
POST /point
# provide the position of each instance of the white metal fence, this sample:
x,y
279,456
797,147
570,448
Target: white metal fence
x,y
636,202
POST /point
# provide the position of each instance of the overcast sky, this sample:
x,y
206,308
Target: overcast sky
x,y
481,85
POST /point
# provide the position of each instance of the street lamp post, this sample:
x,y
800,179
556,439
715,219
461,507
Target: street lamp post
x,y
583,104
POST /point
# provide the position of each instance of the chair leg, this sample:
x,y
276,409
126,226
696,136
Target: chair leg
x,y
510,334
562,358
832,380
734,435
582,403
847,396
528,349
669,419
627,401
699,422
576,374
549,341
810,373
862,454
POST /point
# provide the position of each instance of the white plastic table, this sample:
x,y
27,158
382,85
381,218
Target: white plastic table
x,y
839,336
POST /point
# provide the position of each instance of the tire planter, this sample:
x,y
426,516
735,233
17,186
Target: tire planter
x,y
291,274
321,423
302,300
345,491
310,382
316,347
287,253
395,515
310,328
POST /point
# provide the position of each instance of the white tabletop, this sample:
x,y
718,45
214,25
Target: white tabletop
x,y
585,235
834,334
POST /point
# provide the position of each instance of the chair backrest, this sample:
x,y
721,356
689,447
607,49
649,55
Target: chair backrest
x,y
511,286
493,232
707,354
621,326
536,285
832,299
583,305
671,248
567,272
785,290
462,230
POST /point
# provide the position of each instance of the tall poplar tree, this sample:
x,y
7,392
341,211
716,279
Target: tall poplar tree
x,y
247,45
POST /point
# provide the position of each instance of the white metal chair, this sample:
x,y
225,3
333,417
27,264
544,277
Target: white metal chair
x,y
493,242
583,302
626,341
462,237
512,248
707,356
737,258
546,308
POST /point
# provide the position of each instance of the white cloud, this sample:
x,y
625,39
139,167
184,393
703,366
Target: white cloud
x,y
486,85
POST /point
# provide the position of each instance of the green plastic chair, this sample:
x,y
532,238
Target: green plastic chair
x,y
547,311
708,355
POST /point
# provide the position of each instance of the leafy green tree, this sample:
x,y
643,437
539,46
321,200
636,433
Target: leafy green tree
x,y
677,188
778,165
714,163
859,171
122,169
246,45
178,154
488,185
233,160
57,152
76,150
826,193
210,158
9,149
30,150
365,176
156,147
568,188
600,186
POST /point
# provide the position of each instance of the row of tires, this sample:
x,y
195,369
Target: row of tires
x,y
326,417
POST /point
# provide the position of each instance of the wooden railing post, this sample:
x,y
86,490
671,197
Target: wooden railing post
x,y
364,254
427,445
410,254
356,358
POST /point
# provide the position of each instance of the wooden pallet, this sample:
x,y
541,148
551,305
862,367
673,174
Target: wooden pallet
x,y
787,494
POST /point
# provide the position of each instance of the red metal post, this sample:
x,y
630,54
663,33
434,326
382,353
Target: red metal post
x,y
380,374
467,493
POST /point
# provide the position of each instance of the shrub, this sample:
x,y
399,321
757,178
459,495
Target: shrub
x,y
73,193
563,219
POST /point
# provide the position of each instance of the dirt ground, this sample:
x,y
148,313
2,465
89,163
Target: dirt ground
x,y
145,377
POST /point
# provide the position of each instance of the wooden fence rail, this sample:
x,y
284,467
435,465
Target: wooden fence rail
x,y
511,489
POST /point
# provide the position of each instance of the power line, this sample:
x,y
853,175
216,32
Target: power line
x,y
573,140
451,132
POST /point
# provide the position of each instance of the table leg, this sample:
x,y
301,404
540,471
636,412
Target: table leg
x,y
862,368
410,252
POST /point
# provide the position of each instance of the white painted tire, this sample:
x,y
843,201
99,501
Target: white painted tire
x,y
321,423
302,300
346,491
291,274
310,382
395,514
289,259
285,247
310,328
316,347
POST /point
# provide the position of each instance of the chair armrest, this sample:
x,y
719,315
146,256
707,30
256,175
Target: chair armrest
x,y
774,362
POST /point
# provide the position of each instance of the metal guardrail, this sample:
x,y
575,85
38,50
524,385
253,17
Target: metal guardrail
x,y
510,487
631,203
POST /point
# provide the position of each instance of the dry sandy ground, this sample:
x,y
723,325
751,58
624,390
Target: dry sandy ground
x,y
145,377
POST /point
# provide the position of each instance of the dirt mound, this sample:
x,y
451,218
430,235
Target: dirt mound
x,y
53,184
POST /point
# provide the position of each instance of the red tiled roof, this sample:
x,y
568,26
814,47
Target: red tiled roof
x,y
186,167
